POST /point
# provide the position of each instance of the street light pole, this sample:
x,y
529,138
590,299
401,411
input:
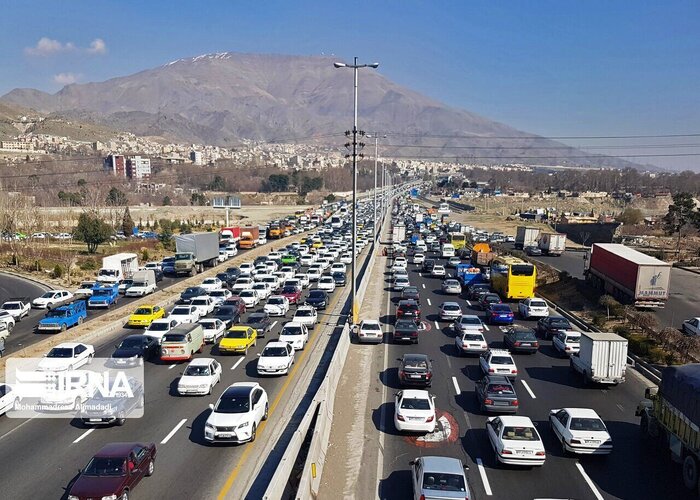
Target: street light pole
x,y
355,67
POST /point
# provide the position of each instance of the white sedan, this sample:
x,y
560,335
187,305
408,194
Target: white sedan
x,y
533,308
185,314
414,411
264,290
314,273
51,298
567,342
276,358
8,398
213,328
438,271
212,284
418,258
370,330
242,284
326,283
306,315
515,440
220,296
277,305
200,377
67,356
204,305
295,334
249,297
580,431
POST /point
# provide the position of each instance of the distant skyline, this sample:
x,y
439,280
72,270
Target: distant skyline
x,y
554,68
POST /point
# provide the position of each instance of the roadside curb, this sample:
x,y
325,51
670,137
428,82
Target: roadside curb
x,y
48,286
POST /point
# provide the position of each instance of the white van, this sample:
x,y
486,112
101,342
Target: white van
x,y
448,250
181,342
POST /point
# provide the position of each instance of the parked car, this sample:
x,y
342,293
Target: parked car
x,y
416,370
237,414
496,394
515,440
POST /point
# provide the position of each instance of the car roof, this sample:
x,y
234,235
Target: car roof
x,y
443,464
415,357
582,412
201,361
117,449
449,303
416,393
500,352
517,421
370,321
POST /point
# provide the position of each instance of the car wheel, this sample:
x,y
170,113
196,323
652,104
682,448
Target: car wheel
x,y
80,320
266,412
89,360
690,472
253,432
151,468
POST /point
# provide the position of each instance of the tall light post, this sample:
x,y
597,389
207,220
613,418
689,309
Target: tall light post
x,y
376,159
355,67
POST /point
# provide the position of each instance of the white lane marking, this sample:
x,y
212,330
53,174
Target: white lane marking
x,y
589,481
619,407
420,274
456,384
172,433
172,366
469,303
237,363
423,285
436,325
484,478
486,326
20,425
273,325
430,303
84,435
532,394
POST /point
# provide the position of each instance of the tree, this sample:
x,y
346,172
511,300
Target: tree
x,y
167,201
92,230
681,213
276,183
218,184
330,198
198,199
127,223
607,301
116,198
631,216
309,184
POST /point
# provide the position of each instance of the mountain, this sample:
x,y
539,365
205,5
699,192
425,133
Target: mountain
x,y
222,98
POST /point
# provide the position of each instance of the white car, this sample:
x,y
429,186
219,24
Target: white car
x,y
200,377
400,262
272,280
295,334
7,322
246,267
185,313
418,258
212,284
314,273
580,431
400,283
8,398
346,258
18,309
498,362
237,414
213,329
293,283
438,271
288,272
153,265
303,279
339,267
67,356
307,260
159,327
326,283
470,342
140,289
231,250
306,315
533,308
52,298
691,326
222,256
515,440
414,411
277,305
264,290
249,297
370,331
276,358
83,291
242,284
567,342
220,296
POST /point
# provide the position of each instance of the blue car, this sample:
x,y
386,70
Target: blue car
x,y
499,314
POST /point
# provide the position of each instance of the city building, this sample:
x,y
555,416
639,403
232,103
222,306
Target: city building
x,y
196,157
138,168
116,165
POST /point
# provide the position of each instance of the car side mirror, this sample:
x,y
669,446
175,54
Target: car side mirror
x,y
465,466
258,354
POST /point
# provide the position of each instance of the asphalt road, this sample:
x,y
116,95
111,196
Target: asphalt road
x,y
41,457
545,382
13,286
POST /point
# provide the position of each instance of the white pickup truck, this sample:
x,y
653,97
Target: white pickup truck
x,y
17,308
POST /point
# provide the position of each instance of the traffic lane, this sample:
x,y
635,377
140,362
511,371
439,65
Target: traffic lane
x,y
12,286
683,299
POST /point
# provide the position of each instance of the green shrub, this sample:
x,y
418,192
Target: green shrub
x,y
145,255
88,265
622,330
656,354
599,320
57,271
639,345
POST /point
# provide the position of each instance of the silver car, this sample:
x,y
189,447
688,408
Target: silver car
x,y
451,287
450,311
439,478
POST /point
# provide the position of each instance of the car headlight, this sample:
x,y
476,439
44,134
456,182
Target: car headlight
x,y
210,427
110,497
203,386
243,425
72,497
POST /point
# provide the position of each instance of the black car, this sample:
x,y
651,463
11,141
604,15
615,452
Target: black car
x,y
406,329
408,309
521,339
168,265
159,274
410,293
339,278
135,349
229,314
416,369
496,394
191,293
474,292
260,260
234,272
487,299
549,327
260,321
428,265
318,299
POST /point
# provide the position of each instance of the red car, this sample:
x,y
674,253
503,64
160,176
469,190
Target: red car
x,y
292,293
114,471
236,301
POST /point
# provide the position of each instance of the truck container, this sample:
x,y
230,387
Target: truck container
x,y
482,254
628,275
104,296
249,237
144,282
194,251
419,217
526,236
398,233
602,358
63,317
118,267
670,417
230,235
469,275
552,244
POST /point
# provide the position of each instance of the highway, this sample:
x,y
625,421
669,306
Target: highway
x,y
544,382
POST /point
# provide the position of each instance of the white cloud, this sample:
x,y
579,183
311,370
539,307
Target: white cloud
x,y
66,78
97,46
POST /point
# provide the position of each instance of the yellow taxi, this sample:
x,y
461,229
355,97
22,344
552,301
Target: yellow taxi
x,y
317,243
238,339
303,241
144,315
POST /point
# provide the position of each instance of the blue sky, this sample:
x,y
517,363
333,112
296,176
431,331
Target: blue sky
x,y
557,68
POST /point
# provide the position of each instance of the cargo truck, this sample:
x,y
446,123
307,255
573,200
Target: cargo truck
x,y
230,235
526,236
631,277
118,267
482,254
249,237
398,233
552,244
602,358
63,317
194,251
469,275
670,417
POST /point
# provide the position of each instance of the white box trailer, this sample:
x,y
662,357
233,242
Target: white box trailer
x,y
552,244
602,358
526,236
118,267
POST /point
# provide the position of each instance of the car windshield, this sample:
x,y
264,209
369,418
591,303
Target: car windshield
x,y
48,295
415,404
586,424
247,293
500,389
562,323
501,308
174,337
192,290
256,317
106,466
225,311
370,326
275,300
524,335
217,293
450,307
196,371
522,270
289,289
12,305
304,313
131,343
199,302
236,334
54,313
405,325
470,321
180,310
208,324
274,352
520,434
60,352
443,482
291,330
415,363
501,360
240,404
159,327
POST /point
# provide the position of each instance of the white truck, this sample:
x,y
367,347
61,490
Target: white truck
x,y
118,267
398,233
18,307
602,358
552,244
144,282
526,236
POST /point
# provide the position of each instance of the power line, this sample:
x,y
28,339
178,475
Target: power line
x,y
618,146
538,137
600,156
